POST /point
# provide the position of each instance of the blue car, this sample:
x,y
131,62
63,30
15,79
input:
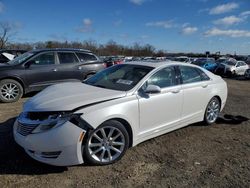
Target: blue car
x,y
207,63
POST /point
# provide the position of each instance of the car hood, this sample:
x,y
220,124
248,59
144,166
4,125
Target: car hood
x,y
69,96
4,66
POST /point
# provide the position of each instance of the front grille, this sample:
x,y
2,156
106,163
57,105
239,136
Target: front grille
x,y
25,129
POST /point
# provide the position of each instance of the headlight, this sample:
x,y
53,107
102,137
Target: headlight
x,y
53,121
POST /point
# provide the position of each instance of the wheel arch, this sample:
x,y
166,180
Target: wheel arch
x,y
127,127
19,80
218,97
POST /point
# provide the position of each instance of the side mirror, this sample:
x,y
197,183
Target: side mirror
x,y
29,63
152,89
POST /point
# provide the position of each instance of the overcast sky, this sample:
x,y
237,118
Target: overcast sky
x,y
172,25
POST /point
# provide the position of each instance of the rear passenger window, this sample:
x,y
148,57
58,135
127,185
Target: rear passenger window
x,y
190,75
163,78
204,77
86,57
65,57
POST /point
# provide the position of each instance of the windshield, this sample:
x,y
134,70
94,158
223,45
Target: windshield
x,y
180,59
119,77
19,59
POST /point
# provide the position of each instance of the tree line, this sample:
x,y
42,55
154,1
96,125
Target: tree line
x,y
110,48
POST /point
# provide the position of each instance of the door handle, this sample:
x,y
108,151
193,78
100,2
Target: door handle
x,y
54,70
175,91
79,68
204,85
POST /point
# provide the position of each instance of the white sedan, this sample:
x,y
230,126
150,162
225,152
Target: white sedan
x,y
120,107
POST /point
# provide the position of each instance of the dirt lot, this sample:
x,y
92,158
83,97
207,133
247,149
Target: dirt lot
x,y
195,156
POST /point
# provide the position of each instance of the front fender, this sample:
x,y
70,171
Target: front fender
x,y
125,108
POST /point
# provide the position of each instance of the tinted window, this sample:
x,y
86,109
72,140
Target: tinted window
x,y
189,74
44,59
86,57
163,78
65,57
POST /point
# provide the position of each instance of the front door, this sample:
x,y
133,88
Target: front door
x,y
160,111
40,71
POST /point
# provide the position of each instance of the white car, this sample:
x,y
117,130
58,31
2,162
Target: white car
x,y
122,106
232,68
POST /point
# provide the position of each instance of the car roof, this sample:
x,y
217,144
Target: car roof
x,y
61,49
156,64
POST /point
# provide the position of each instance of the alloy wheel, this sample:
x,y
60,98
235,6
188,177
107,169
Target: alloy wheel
x,y
106,144
213,110
9,91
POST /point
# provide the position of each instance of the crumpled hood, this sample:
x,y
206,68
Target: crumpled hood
x,y
68,96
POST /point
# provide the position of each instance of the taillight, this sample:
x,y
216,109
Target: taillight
x,y
105,65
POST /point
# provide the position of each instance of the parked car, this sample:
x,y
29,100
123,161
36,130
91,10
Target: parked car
x,y
119,107
8,55
183,59
207,63
34,70
232,68
113,60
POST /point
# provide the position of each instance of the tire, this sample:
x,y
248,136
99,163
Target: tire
x,y
106,144
88,76
234,74
212,111
246,75
10,91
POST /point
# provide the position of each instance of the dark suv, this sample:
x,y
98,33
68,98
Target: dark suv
x,y
34,70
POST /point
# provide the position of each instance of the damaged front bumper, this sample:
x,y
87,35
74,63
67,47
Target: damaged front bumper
x,y
59,146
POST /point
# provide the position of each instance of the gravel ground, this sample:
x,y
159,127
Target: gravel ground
x,y
195,156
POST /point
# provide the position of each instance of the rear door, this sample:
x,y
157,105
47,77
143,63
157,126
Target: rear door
x,y
69,67
195,86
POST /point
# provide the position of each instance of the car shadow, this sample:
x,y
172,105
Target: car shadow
x,y
13,159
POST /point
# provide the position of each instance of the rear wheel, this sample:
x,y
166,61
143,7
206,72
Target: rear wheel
x,y
247,74
10,91
212,111
106,144
88,76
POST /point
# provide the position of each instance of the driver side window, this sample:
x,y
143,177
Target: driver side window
x,y
44,59
163,78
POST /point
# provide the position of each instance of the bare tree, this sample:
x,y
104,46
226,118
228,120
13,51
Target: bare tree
x,y
5,34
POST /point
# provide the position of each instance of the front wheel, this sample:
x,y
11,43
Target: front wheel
x,y
10,90
106,144
212,111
